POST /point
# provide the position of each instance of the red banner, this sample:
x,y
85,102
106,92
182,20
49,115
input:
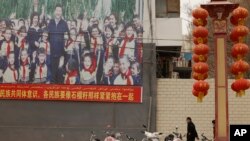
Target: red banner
x,y
98,93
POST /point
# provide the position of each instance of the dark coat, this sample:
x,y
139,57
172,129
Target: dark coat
x,y
56,37
191,132
33,35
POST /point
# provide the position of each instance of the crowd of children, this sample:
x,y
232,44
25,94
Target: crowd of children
x,y
109,53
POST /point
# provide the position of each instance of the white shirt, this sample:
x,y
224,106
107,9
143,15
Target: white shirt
x,y
8,76
129,49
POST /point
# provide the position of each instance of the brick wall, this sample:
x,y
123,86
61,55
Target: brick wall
x,y
175,102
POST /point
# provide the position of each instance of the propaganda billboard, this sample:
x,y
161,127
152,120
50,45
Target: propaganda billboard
x,y
76,50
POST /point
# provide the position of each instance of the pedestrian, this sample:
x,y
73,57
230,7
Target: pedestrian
x,y
213,122
191,131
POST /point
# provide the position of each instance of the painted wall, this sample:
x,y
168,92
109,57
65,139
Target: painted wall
x,y
175,102
74,121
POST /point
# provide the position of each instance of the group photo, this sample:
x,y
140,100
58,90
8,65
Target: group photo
x,y
52,44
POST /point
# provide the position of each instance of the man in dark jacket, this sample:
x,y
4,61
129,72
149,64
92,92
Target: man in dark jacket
x,y
57,27
191,131
213,122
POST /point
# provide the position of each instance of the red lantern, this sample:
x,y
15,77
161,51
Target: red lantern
x,y
201,87
200,40
239,86
238,33
239,50
234,88
200,31
200,67
233,37
199,58
240,14
233,20
200,13
201,49
239,68
199,76
199,95
199,22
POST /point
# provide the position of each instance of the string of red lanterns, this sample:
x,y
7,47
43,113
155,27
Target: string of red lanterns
x,y
239,51
200,53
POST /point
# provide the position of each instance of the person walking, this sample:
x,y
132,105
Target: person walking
x,y
213,122
191,131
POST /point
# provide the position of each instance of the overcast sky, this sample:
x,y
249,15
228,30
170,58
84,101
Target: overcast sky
x,y
187,18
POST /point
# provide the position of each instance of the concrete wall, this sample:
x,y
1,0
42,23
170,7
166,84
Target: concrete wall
x,y
166,31
175,102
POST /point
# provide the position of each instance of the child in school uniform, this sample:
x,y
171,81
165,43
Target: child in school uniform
x,y
40,69
24,66
71,48
125,76
127,45
10,75
108,72
7,45
97,49
136,70
71,76
109,41
113,22
88,72
96,41
44,43
22,42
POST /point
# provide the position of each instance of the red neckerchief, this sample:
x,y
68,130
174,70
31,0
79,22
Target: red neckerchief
x,y
22,43
127,76
14,72
24,70
126,39
107,48
95,44
140,52
8,48
41,71
92,68
69,41
71,74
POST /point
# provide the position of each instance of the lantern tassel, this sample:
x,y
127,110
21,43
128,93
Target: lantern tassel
x,y
242,93
240,75
241,21
200,97
200,40
241,39
237,94
239,57
200,22
200,76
